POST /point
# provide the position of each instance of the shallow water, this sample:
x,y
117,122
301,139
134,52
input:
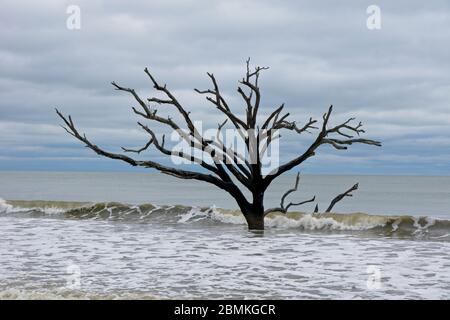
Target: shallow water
x,y
189,253
125,251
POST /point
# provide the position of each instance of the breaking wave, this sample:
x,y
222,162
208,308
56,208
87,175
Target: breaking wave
x,y
384,225
12,290
23,294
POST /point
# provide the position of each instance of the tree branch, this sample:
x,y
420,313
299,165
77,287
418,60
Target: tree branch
x,y
293,126
231,154
160,147
183,174
284,208
174,101
322,138
342,196
221,104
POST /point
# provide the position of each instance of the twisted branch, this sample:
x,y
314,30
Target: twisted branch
x,y
342,196
323,138
284,208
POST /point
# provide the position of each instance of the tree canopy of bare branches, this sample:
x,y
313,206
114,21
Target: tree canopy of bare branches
x,y
224,166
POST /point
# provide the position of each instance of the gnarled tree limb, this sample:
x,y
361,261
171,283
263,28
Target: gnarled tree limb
x,y
341,196
284,208
323,138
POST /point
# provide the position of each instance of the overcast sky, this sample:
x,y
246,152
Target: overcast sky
x,y
396,80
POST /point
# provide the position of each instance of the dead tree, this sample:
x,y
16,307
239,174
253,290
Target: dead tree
x,y
223,166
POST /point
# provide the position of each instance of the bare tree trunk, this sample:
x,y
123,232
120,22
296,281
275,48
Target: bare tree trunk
x,y
254,213
255,220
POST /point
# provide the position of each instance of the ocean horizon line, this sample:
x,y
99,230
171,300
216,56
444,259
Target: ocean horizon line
x,y
291,173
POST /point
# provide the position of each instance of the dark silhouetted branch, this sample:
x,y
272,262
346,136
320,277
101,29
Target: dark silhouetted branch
x,y
342,196
284,208
323,138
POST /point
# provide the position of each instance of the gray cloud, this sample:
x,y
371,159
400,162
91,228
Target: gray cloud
x,y
396,80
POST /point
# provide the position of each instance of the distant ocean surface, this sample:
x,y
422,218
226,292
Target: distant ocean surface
x,y
147,235
406,195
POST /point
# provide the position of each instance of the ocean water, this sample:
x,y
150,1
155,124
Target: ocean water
x,y
144,236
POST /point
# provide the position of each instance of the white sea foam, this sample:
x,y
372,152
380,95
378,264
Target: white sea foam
x,y
419,228
121,261
231,217
64,294
414,226
5,207
311,222
302,221
305,221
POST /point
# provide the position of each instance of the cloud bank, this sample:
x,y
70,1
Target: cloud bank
x,y
396,79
